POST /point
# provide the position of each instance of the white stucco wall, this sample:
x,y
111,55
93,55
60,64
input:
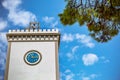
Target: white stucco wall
x,y
19,70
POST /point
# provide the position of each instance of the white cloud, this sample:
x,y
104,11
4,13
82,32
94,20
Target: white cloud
x,y
16,14
89,77
3,24
71,55
2,58
67,75
3,38
3,46
85,78
93,76
21,18
2,63
11,4
104,59
74,49
85,40
89,59
81,38
54,24
67,71
67,37
51,21
48,19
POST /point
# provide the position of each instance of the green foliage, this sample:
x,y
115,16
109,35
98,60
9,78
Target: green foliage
x,y
101,16
69,16
115,2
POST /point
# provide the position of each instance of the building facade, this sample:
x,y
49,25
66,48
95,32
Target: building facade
x,y
32,54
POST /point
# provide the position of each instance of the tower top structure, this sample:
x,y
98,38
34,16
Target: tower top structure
x,y
33,33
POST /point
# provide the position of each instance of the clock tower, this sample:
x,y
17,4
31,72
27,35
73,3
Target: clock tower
x,y
32,54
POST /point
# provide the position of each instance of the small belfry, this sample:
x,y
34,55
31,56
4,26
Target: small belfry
x,y
32,54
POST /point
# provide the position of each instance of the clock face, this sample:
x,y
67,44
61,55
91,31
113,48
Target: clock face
x,y
32,57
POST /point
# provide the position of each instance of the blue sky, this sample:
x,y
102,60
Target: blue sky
x,y
80,56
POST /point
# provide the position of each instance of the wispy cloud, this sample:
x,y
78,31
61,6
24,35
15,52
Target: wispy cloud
x,y
70,76
71,55
3,48
2,61
67,75
93,76
3,24
54,24
89,59
74,49
17,15
81,38
67,37
104,59
85,40
50,21
85,78
89,77
3,38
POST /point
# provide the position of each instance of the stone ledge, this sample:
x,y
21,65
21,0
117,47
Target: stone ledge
x,y
34,31
33,38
